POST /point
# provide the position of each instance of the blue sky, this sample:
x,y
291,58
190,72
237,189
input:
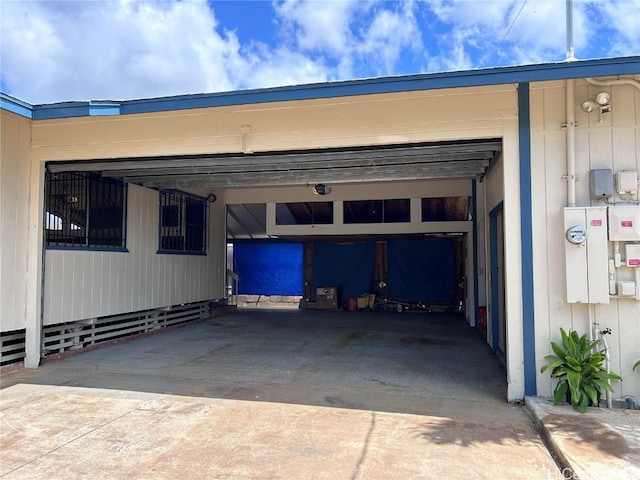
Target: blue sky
x,y
54,51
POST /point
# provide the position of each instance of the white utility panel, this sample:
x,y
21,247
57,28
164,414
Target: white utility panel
x,y
586,254
624,223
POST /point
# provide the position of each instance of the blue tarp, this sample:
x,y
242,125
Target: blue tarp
x,y
348,266
421,271
269,268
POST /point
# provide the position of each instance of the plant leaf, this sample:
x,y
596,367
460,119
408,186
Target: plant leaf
x,y
560,392
552,365
602,384
558,350
592,393
573,378
583,403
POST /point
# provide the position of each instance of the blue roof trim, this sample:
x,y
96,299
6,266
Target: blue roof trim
x,y
406,83
11,104
426,81
102,108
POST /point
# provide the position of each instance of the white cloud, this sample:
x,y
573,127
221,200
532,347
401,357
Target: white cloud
x,y
506,31
81,50
387,36
361,38
119,49
283,67
318,25
533,31
623,16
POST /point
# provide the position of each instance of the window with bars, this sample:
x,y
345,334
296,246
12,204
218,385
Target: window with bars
x,y
183,222
84,210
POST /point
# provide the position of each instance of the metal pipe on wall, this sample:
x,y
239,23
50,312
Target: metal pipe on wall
x,y
571,144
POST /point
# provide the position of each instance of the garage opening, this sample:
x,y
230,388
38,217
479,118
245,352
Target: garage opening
x,y
393,223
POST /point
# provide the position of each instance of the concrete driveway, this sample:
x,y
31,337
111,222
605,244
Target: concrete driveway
x,y
275,394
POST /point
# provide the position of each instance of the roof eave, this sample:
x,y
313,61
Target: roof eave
x,y
426,81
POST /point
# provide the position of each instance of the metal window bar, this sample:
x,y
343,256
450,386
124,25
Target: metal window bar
x,y
84,210
183,222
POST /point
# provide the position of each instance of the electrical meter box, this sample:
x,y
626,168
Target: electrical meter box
x,y
586,254
624,223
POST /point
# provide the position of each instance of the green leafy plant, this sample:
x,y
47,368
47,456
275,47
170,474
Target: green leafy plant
x,y
636,365
577,364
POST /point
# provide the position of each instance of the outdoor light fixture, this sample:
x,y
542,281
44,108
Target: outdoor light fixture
x,y
603,99
602,102
588,106
321,189
211,197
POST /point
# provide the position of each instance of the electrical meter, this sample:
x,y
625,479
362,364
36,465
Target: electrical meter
x,y
577,234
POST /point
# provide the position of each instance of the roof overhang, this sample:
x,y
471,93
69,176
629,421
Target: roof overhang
x,y
468,159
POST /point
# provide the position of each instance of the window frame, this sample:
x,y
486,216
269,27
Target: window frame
x,y
379,211
88,190
185,230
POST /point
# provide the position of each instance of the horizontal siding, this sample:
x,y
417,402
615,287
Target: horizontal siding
x,y
14,212
613,144
86,284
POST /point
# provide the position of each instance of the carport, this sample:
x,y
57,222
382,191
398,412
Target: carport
x,y
429,194
420,163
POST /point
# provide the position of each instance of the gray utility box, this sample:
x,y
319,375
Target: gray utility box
x,y
601,183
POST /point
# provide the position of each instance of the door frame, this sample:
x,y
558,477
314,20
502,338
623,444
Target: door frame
x,y
495,282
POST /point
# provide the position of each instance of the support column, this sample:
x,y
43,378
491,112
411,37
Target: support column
x,y
34,268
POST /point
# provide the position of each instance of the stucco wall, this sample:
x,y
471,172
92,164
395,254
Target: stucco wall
x,y
15,171
613,144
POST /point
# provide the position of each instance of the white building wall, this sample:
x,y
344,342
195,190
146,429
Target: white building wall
x,y
612,144
85,284
15,172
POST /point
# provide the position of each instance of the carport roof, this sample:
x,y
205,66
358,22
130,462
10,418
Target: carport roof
x,y
609,67
460,159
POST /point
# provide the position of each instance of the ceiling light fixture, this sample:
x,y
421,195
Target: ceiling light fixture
x,y
321,189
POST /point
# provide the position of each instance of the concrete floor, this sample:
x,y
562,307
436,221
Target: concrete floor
x,y
275,394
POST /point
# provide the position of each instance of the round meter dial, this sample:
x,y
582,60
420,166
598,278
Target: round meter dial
x,y
577,234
